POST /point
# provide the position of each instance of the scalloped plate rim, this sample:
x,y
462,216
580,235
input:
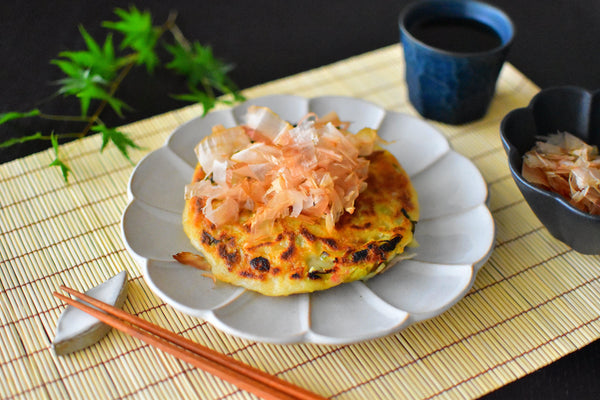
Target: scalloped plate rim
x,y
307,335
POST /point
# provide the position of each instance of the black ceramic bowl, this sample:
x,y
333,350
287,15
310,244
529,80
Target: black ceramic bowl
x,y
571,109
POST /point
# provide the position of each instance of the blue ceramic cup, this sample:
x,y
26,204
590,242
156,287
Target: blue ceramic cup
x,y
449,84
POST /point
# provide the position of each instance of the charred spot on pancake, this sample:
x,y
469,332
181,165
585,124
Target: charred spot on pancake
x,y
313,238
375,250
231,258
309,236
208,239
413,223
289,252
366,225
330,242
390,244
260,264
314,275
373,253
360,256
248,274
197,203
275,271
295,275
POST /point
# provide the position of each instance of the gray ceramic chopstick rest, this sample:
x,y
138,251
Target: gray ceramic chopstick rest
x,y
76,330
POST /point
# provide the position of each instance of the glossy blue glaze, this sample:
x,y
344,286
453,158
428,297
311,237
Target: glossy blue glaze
x,y
446,86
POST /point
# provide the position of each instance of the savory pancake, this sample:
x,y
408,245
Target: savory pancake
x,y
306,252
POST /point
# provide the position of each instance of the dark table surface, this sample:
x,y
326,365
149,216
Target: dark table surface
x,y
557,43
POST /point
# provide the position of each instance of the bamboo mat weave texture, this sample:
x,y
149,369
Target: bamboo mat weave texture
x,y
533,302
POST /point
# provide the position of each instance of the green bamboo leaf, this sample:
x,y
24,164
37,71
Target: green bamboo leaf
x,y
89,41
208,102
9,116
84,87
87,87
93,92
117,105
23,139
69,68
99,61
84,102
182,60
90,73
138,34
119,139
57,162
108,49
202,70
198,64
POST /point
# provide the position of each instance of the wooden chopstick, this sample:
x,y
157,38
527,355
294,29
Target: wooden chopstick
x,y
243,376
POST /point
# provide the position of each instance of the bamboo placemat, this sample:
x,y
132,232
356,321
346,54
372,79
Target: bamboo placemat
x,y
534,301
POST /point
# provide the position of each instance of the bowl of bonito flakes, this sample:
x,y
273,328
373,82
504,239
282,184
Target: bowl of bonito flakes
x,y
552,148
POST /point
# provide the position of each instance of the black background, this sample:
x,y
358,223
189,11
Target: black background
x,y
557,43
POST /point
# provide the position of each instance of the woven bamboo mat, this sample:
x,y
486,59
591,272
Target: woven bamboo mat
x,y
534,301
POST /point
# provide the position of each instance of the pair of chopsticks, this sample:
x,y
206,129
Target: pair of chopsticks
x,y
229,369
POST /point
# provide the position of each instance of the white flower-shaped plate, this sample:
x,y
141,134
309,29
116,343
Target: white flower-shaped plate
x,y
455,234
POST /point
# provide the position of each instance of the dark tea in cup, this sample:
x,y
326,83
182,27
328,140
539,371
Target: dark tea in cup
x,y
454,51
460,35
